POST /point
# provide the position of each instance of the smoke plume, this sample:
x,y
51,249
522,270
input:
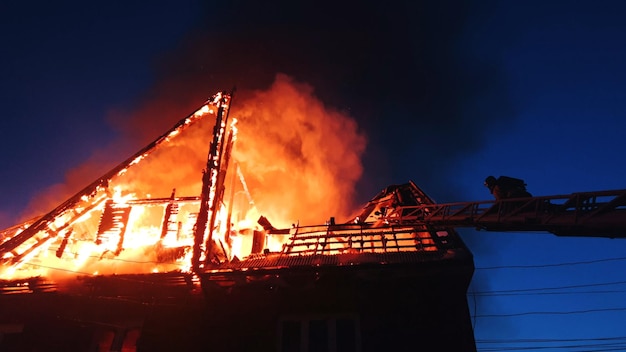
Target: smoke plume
x,y
402,70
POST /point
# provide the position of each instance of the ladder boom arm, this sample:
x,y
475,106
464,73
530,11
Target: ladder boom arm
x,y
585,214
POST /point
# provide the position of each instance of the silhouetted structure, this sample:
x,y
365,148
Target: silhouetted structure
x,y
359,286
395,277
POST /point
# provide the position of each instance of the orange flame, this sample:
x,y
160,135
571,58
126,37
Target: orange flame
x,y
295,160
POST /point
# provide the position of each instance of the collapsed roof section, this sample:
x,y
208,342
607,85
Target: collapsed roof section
x,y
366,239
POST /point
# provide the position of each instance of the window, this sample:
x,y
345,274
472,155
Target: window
x,y
319,334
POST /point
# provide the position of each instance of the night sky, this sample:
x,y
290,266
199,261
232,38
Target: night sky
x,y
447,93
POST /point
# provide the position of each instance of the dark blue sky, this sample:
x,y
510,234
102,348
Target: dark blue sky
x,y
448,93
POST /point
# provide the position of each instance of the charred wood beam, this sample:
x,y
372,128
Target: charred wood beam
x,y
168,213
113,223
219,193
102,182
18,258
61,249
230,213
124,222
177,200
209,178
51,235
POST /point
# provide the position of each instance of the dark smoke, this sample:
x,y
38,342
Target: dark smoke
x,y
400,68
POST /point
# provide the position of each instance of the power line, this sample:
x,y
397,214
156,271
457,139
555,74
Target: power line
x,y
553,348
607,344
613,338
513,293
85,273
552,313
59,269
553,288
551,265
123,260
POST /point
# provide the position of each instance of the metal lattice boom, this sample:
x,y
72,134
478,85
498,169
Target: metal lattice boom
x,y
588,214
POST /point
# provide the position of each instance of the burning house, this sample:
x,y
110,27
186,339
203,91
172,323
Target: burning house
x,y
202,266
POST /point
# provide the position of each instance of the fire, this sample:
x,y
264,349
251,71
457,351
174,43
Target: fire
x,y
300,158
294,160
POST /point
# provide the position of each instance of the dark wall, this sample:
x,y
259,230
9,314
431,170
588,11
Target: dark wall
x,y
374,307
399,308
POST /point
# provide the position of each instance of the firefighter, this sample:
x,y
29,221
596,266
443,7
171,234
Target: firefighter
x,y
492,183
506,187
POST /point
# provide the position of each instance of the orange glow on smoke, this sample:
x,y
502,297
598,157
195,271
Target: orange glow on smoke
x,y
294,161
301,159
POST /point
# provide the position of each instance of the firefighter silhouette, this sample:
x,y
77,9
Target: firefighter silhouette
x,y
505,187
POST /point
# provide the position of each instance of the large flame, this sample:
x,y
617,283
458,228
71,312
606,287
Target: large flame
x,y
301,159
295,160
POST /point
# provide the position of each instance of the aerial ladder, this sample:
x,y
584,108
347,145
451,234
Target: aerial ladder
x,y
402,215
583,214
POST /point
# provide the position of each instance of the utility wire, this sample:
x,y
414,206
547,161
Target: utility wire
x,y
608,346
552,313
554,287
513,293
551,265
613,338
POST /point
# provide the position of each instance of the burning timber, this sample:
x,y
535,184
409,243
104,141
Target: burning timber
x,y
113,269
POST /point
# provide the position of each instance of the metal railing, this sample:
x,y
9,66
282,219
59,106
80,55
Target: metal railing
x,y
359,238
597,214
